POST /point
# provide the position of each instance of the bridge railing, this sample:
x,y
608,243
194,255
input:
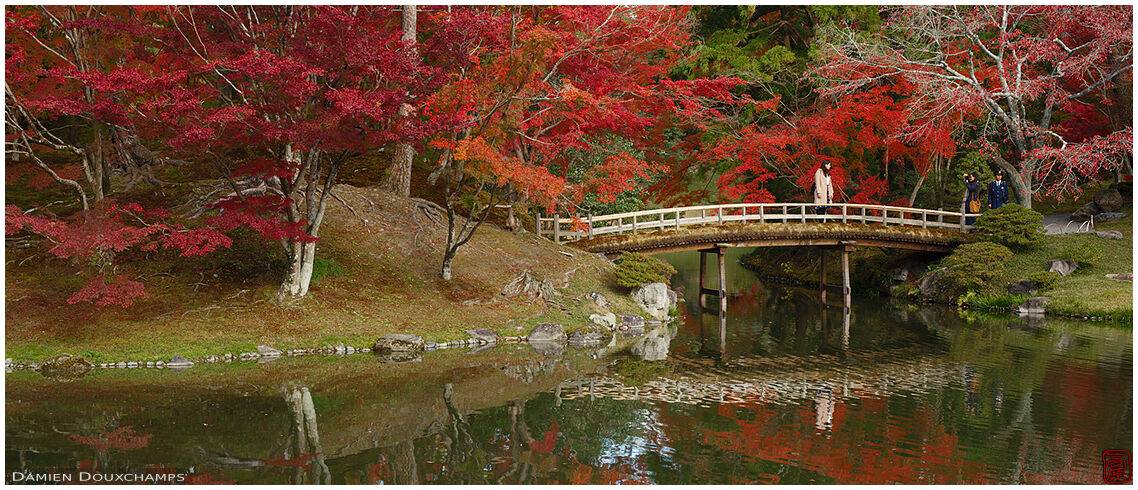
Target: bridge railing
x,y
568,229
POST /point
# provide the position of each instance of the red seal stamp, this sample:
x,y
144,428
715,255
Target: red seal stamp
x,y
1116,466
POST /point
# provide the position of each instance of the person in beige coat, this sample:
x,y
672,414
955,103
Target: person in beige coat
x,y
823,188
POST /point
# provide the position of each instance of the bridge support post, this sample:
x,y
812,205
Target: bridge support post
x,y
702,275
721,253
822,276
846,300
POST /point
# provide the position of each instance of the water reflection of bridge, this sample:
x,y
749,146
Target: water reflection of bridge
x,y
770,380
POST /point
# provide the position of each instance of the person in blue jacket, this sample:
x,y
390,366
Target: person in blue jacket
x,y
998,191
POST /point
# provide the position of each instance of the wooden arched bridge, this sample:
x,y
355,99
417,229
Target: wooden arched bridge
x,y
713,228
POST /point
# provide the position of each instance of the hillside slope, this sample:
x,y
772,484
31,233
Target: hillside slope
x,y
376,273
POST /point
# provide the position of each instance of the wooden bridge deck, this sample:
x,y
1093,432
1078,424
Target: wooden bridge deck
x,y
759,224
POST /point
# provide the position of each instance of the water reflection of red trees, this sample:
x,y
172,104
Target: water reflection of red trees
x,y
861,447
122,438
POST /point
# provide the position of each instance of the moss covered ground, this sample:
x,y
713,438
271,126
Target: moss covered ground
x,y
1087,291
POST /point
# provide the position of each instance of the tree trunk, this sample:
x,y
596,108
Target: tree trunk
x,y
913,196
1020,185
401,459
398,179
448,257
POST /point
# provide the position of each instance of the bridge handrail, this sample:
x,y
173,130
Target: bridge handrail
x,y
678,219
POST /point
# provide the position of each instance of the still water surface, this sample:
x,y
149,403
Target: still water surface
x,y
794,393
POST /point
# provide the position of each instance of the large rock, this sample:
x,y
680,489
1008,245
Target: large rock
x,y
547,332
599,299
399,342
1085,213
1110,234
1033,306
653,299
1022,288
64,367
1063,266
1104,217
483,334
267,351
1109,199
1121,277
588,335
632,321
606,320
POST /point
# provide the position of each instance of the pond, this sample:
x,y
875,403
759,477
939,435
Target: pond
x,y
795,393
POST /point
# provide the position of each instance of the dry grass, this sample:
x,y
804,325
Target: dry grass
x,y
374,277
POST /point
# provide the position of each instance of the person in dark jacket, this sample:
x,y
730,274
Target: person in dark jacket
x,y
998,191
971,197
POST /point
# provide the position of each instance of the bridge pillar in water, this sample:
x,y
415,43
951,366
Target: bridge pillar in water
x,y
822,275
704,292
846,291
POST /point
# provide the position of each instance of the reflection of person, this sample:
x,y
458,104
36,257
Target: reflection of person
x,y
972,196
998,191
823,188
823,408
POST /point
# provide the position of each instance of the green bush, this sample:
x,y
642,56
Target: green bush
x,y
635,270
1044,279
973,265
1085,254
1012,225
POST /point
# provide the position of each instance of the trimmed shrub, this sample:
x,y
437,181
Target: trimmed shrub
x,y
634,270
1044,279
1085,254
1011,225
973,265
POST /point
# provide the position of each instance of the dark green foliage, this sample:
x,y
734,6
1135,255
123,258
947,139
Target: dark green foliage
x,y
635,270
1044,279
974,265
324,267
1086,253
1012,225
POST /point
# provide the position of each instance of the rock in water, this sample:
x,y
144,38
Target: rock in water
x,y
1022,287
589,334
1109,199
399,342
399,357
1033,306
64,367
267,351
484,334
179,361
547,332
632,321
606,320
654,346
653,299
548,349
1063,266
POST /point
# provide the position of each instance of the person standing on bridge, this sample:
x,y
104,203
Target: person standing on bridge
x,y
823,189
972,197
998,191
